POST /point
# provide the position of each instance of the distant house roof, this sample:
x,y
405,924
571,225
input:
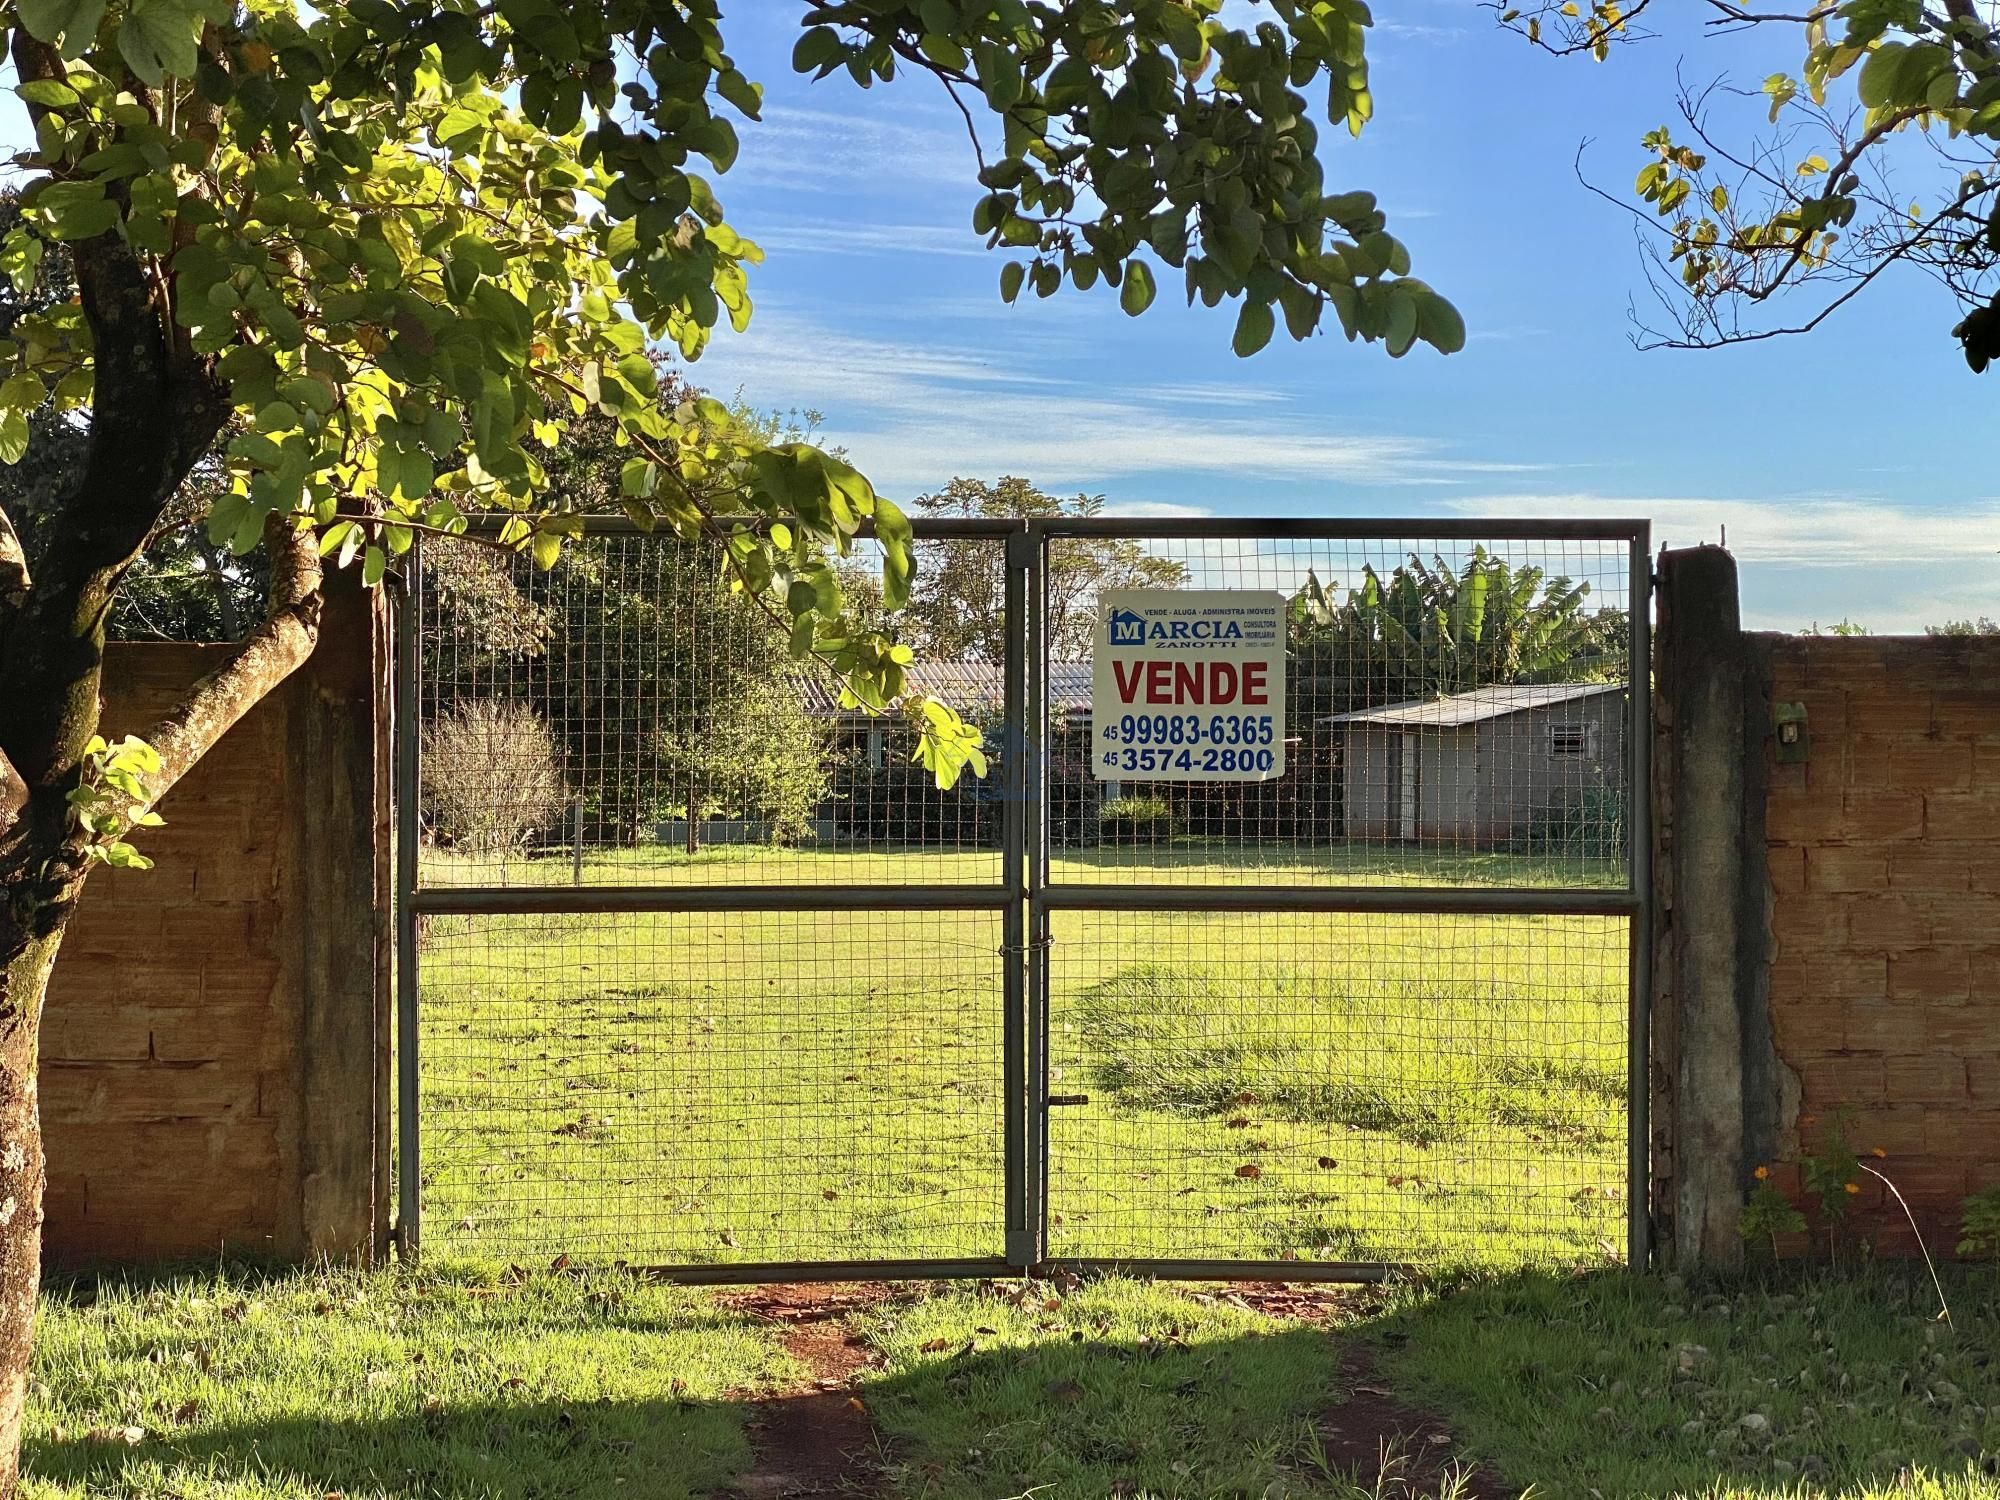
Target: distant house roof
x,y
968,686
1476,707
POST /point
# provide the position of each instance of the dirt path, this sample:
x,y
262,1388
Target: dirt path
x,y
1374,1431
816,1439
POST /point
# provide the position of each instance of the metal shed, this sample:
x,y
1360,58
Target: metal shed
x,y
1480,769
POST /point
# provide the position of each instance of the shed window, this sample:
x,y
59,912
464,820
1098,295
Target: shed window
x,y
1569,739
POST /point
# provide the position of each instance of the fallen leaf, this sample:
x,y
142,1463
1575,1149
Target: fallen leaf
x,y
1249,1169
1328,1162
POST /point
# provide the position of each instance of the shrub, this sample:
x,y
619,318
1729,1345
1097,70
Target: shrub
x,y
1980,1224
492,775
1137,820
1589,825
758,754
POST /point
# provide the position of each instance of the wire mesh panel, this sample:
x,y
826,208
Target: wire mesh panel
x,y
698,969
707,1088
1345,1087
1455,714
627,718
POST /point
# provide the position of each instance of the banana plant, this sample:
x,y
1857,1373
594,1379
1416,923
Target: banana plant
x,y
1431,629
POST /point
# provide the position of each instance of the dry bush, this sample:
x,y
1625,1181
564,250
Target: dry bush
x,y
492,776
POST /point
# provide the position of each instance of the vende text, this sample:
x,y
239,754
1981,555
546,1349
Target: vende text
x,y
1193,682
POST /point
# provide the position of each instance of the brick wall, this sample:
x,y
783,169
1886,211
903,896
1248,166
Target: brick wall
x,y
214,1049
1883,852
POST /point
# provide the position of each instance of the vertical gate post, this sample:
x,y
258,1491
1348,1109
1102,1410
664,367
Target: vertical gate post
x,y
1036,827
1639,867
409,668
1021,1247
1703,858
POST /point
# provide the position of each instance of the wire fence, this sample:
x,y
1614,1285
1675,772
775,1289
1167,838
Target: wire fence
x,y
1455,713
712,1088
707,972
626,718
1299,1087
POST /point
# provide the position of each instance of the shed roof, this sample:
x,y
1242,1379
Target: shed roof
x,y
1477,706
965,685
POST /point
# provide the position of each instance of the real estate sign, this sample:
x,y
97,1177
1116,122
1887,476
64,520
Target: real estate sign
x,y
1188,685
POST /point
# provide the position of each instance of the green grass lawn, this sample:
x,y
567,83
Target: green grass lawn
x,y
770,1086
1185,860
419,1386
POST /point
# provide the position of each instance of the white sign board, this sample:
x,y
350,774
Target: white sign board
x,y
1188,685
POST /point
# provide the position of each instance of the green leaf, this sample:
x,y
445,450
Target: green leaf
x,y
741,92
819,49
1439,323
13,436
49,91
1011,276
1254,326
1402,321
1878,75
75,21
1136,295
156,38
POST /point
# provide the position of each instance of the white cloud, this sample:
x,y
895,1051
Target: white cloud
x,y
799,148
1159,509
805,237
915,412
1809,558
1805,531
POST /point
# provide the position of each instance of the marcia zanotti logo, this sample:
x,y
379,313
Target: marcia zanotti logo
x,y
1128,628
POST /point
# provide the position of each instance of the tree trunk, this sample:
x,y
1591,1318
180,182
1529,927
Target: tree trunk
x,y
24,980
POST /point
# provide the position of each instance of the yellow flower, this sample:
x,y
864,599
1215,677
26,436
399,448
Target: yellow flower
x,y
1853,1187
1761,1173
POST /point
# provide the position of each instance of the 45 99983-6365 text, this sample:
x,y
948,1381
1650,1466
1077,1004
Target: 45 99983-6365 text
x,y
1193,730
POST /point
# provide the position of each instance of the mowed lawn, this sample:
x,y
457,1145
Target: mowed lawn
x,y
669,1088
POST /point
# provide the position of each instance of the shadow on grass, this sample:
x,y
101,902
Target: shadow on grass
x,y
1795,1380
507,1450
1606,1383
1242,1415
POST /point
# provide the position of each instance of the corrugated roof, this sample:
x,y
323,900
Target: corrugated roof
x,y
1477,706
968,686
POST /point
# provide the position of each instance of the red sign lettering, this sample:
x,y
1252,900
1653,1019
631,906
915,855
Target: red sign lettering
x,y
1215,682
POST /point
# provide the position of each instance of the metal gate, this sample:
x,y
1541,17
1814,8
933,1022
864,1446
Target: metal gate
x,y
695,973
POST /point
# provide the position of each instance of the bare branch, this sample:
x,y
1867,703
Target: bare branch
x,y
14,580
274,650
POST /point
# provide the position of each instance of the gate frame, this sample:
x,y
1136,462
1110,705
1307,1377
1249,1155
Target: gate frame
x,y
1027,899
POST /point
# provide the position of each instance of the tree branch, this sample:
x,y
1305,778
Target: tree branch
x,y
14,580
273,651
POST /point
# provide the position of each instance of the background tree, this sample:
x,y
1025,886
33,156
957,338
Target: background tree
x,y
761,755
1878,150
1432,630
958,608
385,256
182,586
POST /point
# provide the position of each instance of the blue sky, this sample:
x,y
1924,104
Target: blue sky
x,y
1849,467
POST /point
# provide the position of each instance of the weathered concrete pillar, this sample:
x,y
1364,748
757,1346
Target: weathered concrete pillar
x,y
1704,891
337,897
